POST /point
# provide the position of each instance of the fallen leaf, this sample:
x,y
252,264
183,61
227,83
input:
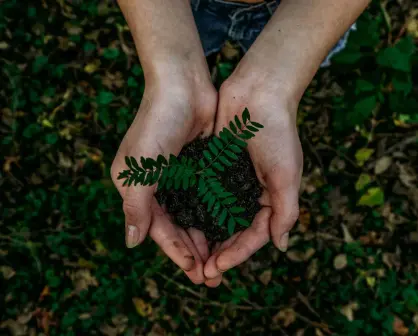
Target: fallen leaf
x,y
3,45
152,288
265,277
312,269
285,317
374,196
92,67
407,175
415,319
142,308
363,180
363,154
371,281
346,233
382,164
348,310
7,272
391,260
295,255
15,329
83,279
399,327
340,261
304,219
45,292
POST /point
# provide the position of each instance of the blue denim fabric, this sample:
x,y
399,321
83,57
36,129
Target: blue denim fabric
x,y
219,20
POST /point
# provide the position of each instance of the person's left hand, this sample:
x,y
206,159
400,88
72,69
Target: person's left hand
x,y
277,157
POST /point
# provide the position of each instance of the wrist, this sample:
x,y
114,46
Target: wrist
x,y
259,87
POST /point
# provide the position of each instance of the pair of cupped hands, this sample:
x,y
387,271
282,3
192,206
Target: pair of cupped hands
x,y
180,105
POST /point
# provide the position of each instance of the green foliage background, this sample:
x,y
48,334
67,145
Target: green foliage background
x,y
69,87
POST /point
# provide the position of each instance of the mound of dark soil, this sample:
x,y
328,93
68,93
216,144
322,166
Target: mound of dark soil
x,y
187,209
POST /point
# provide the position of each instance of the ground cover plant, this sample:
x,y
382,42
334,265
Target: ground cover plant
x,y
70,84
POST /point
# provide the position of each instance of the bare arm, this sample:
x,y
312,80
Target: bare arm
x,y
165,36
296,40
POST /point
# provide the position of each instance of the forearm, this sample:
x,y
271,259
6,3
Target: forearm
x,y
165,35
297,39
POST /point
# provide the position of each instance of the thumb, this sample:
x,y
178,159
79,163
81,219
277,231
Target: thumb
x,y
136,206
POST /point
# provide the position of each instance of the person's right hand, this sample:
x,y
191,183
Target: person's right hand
x,y
174,111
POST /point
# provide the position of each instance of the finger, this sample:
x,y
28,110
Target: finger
x,y
196,273
264,199
211,271
199,240
250,241
137,210
285,206
215,282
165,234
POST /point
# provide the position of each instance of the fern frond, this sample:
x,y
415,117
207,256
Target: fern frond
x,y
166,173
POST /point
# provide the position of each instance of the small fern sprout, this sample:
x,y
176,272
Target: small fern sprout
x,y
222,151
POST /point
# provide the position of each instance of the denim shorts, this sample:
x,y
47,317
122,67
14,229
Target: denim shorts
x,y
219,20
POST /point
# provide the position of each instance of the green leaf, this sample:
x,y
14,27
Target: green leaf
x,y
218,166
135,164
148,178
245,115
161,160
225,194
225,161
216,208
242,222
238,123
125,182
177,183
128,161
218,142
164,176
211,203
363,180
363,154
230,154
155,176
111,53
373,197
231,226
179,173
224,137
123,174
397,57
213,149
232,127
207,196
235,148
105,97
172,170
222,217
209,172
251,128
169,184
229,200
192,180
246,135
256,124
235,210
207,155
239,142
202,164
39,63
186,182
172,160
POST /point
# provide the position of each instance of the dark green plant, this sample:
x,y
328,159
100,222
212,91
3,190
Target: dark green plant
x,y
185,173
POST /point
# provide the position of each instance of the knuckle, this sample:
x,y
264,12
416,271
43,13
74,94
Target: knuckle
x,y
131,210
293,215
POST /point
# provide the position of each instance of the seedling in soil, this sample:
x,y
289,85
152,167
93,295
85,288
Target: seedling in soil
x,y
186,173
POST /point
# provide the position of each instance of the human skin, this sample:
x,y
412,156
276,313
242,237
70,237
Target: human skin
x,y
180,103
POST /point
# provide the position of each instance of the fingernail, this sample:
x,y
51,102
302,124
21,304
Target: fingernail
x,y
284,242
132,236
